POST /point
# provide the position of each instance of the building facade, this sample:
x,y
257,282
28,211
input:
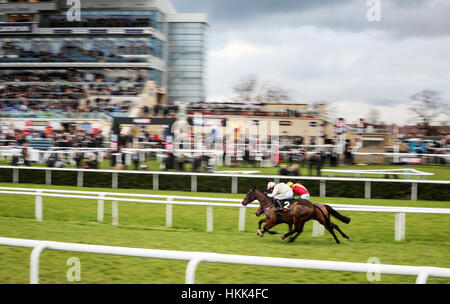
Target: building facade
x,y
121,43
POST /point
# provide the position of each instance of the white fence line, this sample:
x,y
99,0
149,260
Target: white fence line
x,y
422,273
406,171
234,178
169,201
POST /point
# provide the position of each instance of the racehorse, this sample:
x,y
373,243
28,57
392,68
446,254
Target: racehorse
x,y
300,212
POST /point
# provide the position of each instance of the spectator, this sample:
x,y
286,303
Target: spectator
x,y
78,157
294,170
92,163
51,161
348,156
283,170
334,158
136,160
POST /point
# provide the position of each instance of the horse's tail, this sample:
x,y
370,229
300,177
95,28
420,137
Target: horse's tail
x,y
337,215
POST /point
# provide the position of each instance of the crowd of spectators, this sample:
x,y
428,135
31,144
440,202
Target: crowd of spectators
x,y
99,21
65,90
68,75
241,109
14,53
106,105
62,138
113,90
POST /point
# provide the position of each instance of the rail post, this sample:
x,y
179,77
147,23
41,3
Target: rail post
x,y
422,277
80,179
15,175
193,183
400,226
414,191
367,190
318,229
48,177
115,213
38,206
241,219
115,180
169,207
34,263
322,188
209,219
155,181
234,185
100,207
191,268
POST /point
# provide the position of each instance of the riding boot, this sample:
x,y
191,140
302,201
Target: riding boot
x,y
278,204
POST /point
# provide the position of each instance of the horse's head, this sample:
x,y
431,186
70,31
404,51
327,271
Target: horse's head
x,y
250,197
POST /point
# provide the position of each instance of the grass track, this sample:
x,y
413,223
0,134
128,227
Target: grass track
x,y
142,225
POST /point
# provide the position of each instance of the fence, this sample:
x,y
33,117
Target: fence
x,y
195,258
400,217
407,172
234,178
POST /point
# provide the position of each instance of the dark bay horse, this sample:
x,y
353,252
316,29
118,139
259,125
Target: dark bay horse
x,y
300,212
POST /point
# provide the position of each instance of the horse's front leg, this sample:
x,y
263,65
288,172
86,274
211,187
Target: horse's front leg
x,y
269,224
259,232
259,211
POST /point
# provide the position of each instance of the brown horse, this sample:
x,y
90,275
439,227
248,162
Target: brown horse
x,y
300,212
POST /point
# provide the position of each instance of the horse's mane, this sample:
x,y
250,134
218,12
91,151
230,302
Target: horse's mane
x,y
263,193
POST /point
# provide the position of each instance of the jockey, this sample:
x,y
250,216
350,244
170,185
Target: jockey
x,y
300,190
279,193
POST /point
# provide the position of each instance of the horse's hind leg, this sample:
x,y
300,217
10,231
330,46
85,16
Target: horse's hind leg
x,y
299,229
329,225
330,229
340,231
290,232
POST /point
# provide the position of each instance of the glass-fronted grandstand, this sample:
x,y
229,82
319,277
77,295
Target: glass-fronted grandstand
x,y
104,61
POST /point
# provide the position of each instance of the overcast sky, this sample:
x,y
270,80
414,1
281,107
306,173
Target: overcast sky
x,y
328,51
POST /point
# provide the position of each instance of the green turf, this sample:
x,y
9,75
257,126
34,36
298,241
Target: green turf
x,y
143,226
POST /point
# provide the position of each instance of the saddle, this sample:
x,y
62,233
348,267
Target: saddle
x,y
283,205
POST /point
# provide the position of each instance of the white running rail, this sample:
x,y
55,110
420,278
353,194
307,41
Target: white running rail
x,y
234,178
422,273
209,202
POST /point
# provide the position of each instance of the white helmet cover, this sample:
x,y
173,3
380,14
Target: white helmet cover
x,y
270,185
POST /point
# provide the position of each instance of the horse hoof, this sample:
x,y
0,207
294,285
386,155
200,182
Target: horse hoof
x,y
282,238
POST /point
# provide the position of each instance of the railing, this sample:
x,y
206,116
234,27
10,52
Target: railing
x,y
209,202
234,178
406,172
195,258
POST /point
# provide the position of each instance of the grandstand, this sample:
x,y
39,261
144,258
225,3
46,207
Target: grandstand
x,y
115,62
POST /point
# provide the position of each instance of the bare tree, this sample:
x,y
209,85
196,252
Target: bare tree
x,y
373,116
248,90
427,108
245,90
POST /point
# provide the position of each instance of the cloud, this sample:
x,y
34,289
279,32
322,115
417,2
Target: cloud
x,y
236,50
328,51
400,18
